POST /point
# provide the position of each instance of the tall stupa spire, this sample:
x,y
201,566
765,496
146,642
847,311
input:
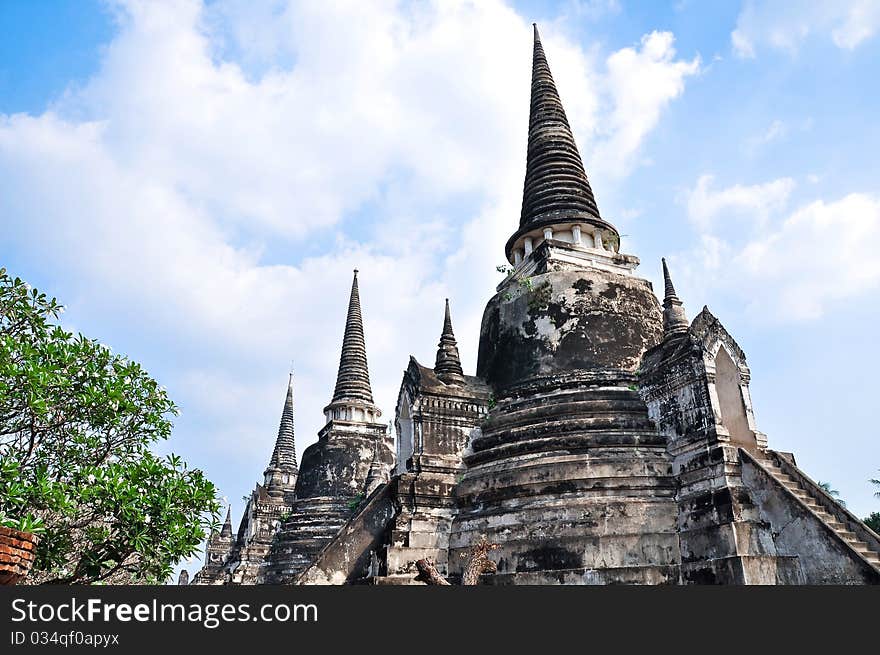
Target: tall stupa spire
x,y
226,532
284,454
448,363
669,290
556,183
353,379
556,190
674,319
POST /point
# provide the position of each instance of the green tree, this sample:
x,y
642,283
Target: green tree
x,y
834,493
873,521
76,426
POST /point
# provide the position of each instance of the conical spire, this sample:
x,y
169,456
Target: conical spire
x,y
227,525
556,184
448,363
674,319
556,188
353,379
667,281
284,455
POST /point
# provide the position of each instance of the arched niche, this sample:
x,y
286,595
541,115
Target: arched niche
x,y
405,436
732,407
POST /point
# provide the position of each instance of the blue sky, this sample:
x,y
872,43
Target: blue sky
x,y
196,182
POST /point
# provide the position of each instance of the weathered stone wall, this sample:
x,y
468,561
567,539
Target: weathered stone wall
x,y
672,381
312,523
217,552
353,554
331,486
569,476
611,452
442,416
822,557
262,518
721,536
338,463
565,320
574,484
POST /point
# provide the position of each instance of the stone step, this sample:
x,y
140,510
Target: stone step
x,y
310,524
866,552
849,536
395,580
819,510
402,559
870,555
318,516
324,520
310,531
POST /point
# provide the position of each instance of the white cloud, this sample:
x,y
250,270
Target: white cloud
x,y
777,130
785,25
208,191
823,252
712,253
590,10
642,82
790,264
754,202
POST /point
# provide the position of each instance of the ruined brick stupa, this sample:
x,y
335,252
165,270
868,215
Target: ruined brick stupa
x,y
604,439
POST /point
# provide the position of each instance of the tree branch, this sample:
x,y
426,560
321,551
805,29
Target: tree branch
x,y
429,574
478,564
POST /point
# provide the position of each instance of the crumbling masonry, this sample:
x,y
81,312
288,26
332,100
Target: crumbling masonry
x,y
604,438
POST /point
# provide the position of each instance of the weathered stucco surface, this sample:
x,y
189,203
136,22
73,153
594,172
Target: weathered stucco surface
x,y
602,441
822,556
565,320
331,487
568,475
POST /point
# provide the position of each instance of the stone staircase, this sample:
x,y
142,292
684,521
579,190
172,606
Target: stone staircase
x,y
397,580
811,495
